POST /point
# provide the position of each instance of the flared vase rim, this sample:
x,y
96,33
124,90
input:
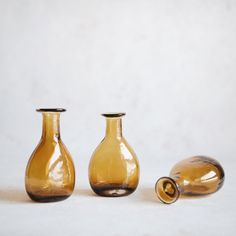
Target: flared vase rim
x,y
174,184
113,114
51,110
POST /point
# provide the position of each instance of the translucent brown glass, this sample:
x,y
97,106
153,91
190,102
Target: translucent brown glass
x,y
113,168
194,176
50,173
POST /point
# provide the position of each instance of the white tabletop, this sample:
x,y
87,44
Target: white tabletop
x,y
141,213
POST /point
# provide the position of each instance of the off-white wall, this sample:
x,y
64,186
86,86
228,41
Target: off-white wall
x,y
170,65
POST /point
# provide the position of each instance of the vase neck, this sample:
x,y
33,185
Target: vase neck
x,y
51,125
114,127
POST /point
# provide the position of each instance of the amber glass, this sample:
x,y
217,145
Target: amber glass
x,y
50,173
194,176
113,168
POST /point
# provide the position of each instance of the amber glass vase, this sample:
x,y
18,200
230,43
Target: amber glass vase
x,y
113,168
50,173
194,176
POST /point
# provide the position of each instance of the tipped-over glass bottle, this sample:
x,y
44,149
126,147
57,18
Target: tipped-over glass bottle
x,y
193,176
113,168
50,173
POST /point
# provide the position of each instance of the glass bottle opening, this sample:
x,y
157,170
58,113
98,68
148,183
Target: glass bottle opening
x,y
113,115
51,110
167,190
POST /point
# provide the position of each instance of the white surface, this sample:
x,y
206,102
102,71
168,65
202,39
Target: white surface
x,y
169,64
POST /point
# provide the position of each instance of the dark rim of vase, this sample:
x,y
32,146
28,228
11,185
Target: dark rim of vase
x,y
177,193
51,110
113,114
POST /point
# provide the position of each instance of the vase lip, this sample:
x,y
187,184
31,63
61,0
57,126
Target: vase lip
x,y
172,199
113,114
51,110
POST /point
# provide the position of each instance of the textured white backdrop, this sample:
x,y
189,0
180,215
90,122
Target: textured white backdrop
x,y
170,65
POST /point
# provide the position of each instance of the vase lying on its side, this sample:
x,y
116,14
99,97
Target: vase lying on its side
x,y
194,176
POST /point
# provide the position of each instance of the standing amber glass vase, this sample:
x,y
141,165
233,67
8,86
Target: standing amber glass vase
x,y
113,168
50,173
194,176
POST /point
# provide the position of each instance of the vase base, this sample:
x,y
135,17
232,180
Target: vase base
x,y
45,198
112,190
